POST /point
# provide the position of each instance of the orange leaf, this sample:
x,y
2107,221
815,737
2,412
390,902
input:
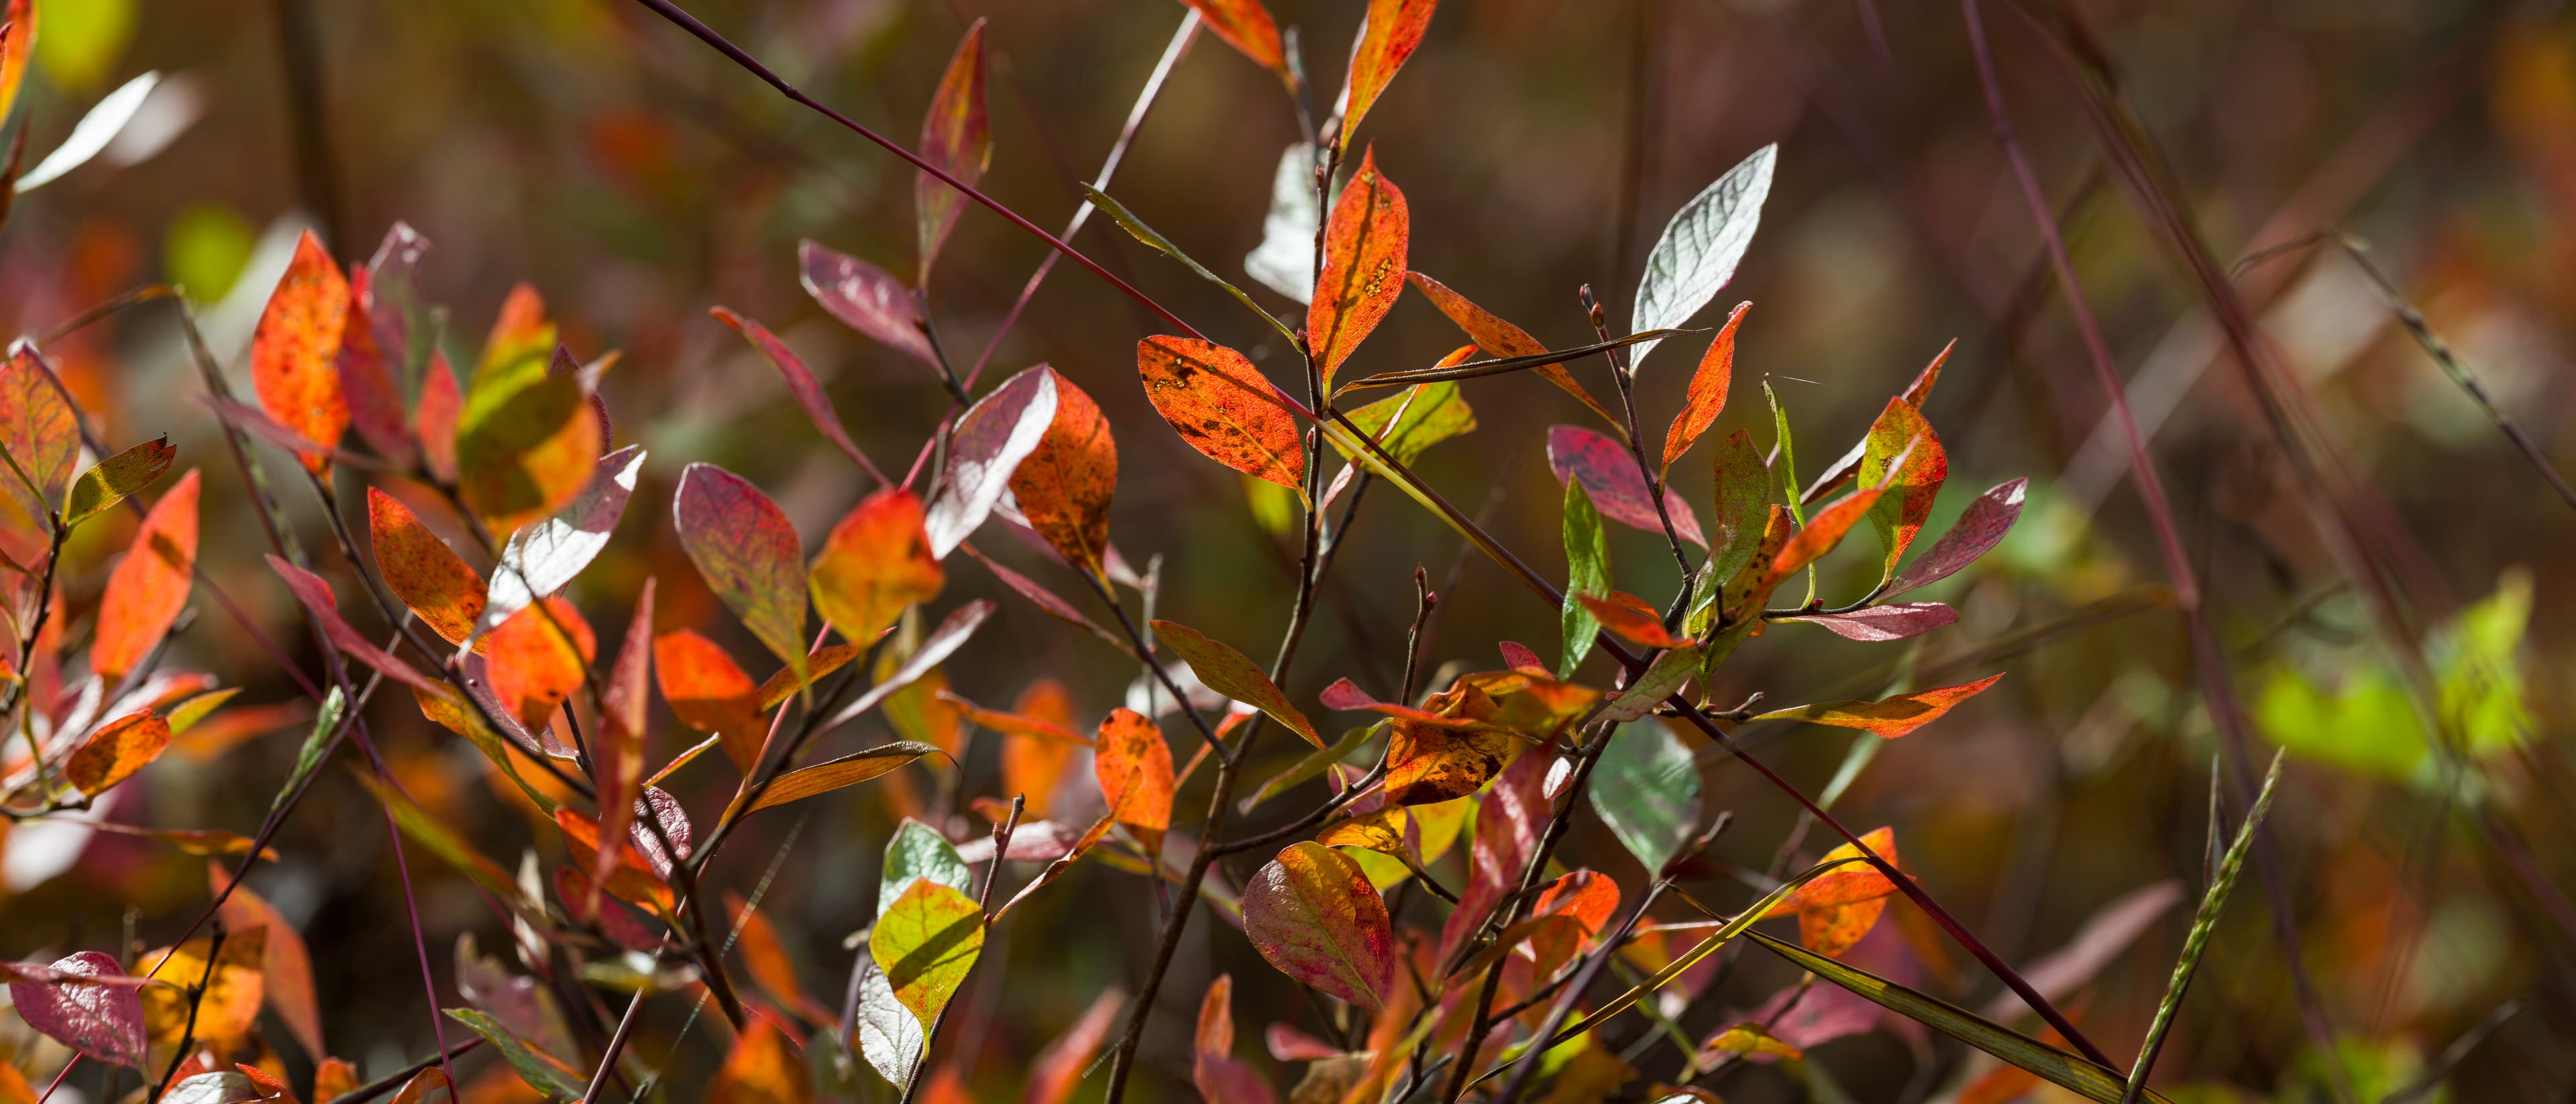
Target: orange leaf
x,y
1222,406
1887,717
150,585
1063,488
15,47
287,966
1707,394
629,879
766,958
1823,532
292,353
957,136
1902,454
117,750
1428,763
709,692
763,1068
1631,618
783,684
1036,767
1058,1069
229,1005
1364,244
1393,31
1836,910
617,749
1134,766
1503,339
1246,26
435,419
875,563
536,659
38,427
1214,1070
1232,674
421,570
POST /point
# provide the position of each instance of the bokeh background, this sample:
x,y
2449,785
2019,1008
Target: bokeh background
x,y
636,179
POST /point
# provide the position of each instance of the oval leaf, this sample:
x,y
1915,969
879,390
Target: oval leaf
x,y
874,565
865,298
1700,247
1232,674
109,481
991,439
1364,246
1609,474
421,570
926,942
1134,766
1646,788
1063,487
957,136
1223,407
1977,532
1312,913
1707,396
102,1021
1879,624
292,351
150,585
748,552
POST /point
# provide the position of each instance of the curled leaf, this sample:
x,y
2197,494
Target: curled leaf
x,y
990,441
1889,717
957,136
109,481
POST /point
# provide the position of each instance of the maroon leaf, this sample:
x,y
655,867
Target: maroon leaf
x,y
100,1020
1879,624
748,551
801,383
868,299
993,436
1312,913
1977,532
1509,819
1609,473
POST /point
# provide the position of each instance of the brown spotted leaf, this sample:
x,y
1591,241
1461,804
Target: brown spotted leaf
x,y
1364,247
1064,487
421,570
1503,339
293,351
1223,407
1134,766
117,750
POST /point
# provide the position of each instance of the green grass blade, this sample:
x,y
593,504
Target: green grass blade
x,y
2212,903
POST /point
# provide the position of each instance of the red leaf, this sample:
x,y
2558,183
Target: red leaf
x,y
1063,487
150,585
102,1021
1977,532
1057,1072
1888,717
367,384
1610,476
1503,339
865,298
1509,819
1879,624
1902,455
617,751
800,382
1393,32
1223,407
1588,897
1631,619
1916,394
1246,26
1219,1077
990,441
1135,770
315,595
1312,913
291,352
1232,674
956,136
1824,530
748,552
709,692
1707,395
1364,246
435,420
874,565
421,570
536,659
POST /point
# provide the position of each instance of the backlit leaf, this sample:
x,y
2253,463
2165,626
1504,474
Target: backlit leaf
x,y
117,750
1058,1070
421,570
1646,788
926,942
1748,1038
109,481
1699,249
16,46
544,1072
38,428
864,297
800,382
1587,566
1063,487
1037,755
874,565
434,419
1586,897
150,585
1821,534
1915,395
917,852
1393,31
709,692
1835,911
1610,476
762,1068
104,1022
1416,419
1707,396
1246,26
1509,819
1429,763
1878,624
527,441
1232,674
1313,915
1134,766
1223,407
617,745
1889,717
1284,262
1627,617
292,351
286,965
544,557
1213,1069
1661,680
536,659
1744,496
1364,247
748,552
369,380
1504,339
1902,455
990,441
1977,532
233,989
957,136
848,770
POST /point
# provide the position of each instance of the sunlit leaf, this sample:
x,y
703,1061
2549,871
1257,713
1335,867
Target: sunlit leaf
x,y
109,481
1064,486
1902,455
874,565
1915,395
371,372
957,136
421,570
800,381
1246,26
292,351
990,441
1749,1038
1707,396
1137,228
544,1072
104,1022
1587,560
96,129
442,402
1313,915
286,966
1976,532
864,297
748,552
1878,624
1889,717
1222,406
1509,820
1699,249
889,1036
1233,674
617,745
1134,766
232,992
925,942
1821,534
1047,601
117,750
1393,31
1587,898
1835,911
762,1068
1057,1071
1284,262
1646,788
1504,339
1617,488
952,634
709,692
1364,247
1661,679
16,46
848,770
1429,763
41,434
150,585
1629,618
545,556
536,659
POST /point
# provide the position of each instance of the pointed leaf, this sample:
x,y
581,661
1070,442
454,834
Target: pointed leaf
x,y
1707,395
527,440
1393,31
104,1022
617,747
889,1036
1646,788
1823,531
1232,674
544,557
369,382
1587,565
1629,618
748,552
1219,1078
1135,226
942,642
1509,819
1609,474
1223,407
1364,247
990,441
117,750
1700,247
536,659
422,571
1312,913
1430,759
1879,624
434,420
292,351
1246,26
800,381
286,965
1134,766
957,136
1284,262
93,133
150,585
1423,416
109,481
1058,1070
40,432
926,942
848,770
762,1068
542,1071
1902,455
1744,496
1504,339
1888,717
865,298
1977,532
1916,394
1063,487
917,852
709,692
875,564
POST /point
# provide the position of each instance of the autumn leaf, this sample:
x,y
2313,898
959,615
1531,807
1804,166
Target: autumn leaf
x,y
1587,574
865,298
527,440
545,556
434,418
536,659
1836,910
1629,618
1428,763
1232,674
286,965
234,988
1246,26
292,351
709,692
1889,717
103,1021
957,136
1312,914
1976,533
1585,897
1213,1069
848,770
1063,486
1915,395
1223,407
1392,32
748,552
1509,819
1823,531
617,749
420,569
1879,624
1610,476
926,941
150,585
1504,339
1707,396
117,750
1058,1069
762,1068
17,45
110,481
1034,763
1902,456
800,383
543,1072
367,382
990,441
1744,496
1364,247
1697,253
874,565
1134,766
40,432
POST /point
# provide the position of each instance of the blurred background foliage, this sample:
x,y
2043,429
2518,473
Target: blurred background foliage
x,y
636,179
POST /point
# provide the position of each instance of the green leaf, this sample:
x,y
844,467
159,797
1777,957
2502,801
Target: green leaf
x,y
186,714
1127,220
926,942
109,481
1587,571
919,853
2212,903
1232,674
1308,768
1646,788
542,1071
1421,417
2058,1067
309,757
